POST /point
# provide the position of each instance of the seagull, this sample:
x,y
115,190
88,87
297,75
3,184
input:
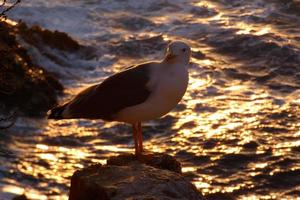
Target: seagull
x,y
140,93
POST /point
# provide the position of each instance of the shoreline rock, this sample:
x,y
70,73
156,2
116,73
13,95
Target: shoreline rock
x,y
39,37
24,86
152,176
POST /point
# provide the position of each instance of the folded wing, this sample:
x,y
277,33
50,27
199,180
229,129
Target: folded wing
x,y
103,101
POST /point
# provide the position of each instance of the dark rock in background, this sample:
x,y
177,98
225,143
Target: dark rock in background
x,y
37,36
24,86
151,176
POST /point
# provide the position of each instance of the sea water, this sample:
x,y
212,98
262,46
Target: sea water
x,y
237,129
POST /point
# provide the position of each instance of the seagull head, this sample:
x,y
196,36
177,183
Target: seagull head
x,y
178,52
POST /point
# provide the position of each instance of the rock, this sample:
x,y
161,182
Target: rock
x,y
38,36
24,86
157,160
151,176
45,41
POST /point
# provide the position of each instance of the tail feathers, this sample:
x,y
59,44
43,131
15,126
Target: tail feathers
x,y
56,113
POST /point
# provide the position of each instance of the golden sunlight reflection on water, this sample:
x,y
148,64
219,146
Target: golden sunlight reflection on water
x,y
233,116
30,193
222,117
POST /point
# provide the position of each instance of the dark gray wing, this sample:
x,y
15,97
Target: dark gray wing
x,y
103,101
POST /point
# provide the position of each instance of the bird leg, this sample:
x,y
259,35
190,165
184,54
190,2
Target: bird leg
x,y
140,137
135,137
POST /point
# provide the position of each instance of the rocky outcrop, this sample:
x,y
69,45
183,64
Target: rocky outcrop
x,y
24,86
151,176
54,45
39,37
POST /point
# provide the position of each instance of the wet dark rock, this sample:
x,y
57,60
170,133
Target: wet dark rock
x,y
37,36
24,86
126,177
45,41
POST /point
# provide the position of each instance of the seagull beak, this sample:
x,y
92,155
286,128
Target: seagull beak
x,y
169,56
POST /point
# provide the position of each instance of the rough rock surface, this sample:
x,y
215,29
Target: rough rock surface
x,y
24,86
38,37
151,177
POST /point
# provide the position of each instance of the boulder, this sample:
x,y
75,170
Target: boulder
x,y
39,37
151,176
24,86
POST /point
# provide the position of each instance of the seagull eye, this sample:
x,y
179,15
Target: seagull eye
x,y
184,49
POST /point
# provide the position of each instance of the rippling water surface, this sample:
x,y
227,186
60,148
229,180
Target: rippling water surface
x,y
236,131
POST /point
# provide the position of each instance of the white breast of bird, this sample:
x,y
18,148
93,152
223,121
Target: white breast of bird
x,y
167,86
171,86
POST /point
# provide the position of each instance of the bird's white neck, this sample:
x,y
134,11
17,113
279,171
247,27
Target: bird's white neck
x,y
175,64
176,60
